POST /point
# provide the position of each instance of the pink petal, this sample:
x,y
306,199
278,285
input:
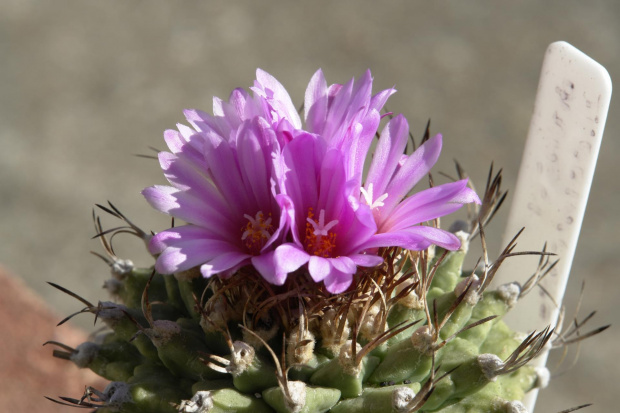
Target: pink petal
x,y
358,150
366,260
415,238
179,146
202,121
343,264
287,219
337,282
319,268
389,150
222,263
315,103
280,96
173,260
274,266
337,113
378,101
238,100
356,230
267,268
302,158
164,239
188,254
413,170
361,93
332,179
226,175
290,257
429,204
255,171
188,208
184,176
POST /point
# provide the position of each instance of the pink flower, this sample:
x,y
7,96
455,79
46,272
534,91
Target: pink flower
x,y
257,189
392,176
221,172
224,193
327,231
347,117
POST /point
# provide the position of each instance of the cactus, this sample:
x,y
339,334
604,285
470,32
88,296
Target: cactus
x,y
369,328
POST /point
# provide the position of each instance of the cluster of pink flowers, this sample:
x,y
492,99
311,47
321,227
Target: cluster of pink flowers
x,y
257,188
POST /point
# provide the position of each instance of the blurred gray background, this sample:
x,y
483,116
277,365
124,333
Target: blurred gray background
x,y
85,85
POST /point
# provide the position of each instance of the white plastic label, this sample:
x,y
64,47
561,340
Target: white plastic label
x,y
554,180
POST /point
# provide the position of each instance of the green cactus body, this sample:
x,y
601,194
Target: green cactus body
x,y
404,361
311,399
443,391
180,350
493,303
134,283
468,378
228,400
153,389
113,360
449,272
373,399
491,399
403,314
348,379
173,293
169,347
256,377
216,340
188,291
501,340
125,322
210,385
304,372
459,319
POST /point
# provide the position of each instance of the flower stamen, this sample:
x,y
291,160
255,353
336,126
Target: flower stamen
x,y
368,195
320,241
257,231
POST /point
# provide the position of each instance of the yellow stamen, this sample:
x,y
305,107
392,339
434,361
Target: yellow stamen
x,y
256,232
319,240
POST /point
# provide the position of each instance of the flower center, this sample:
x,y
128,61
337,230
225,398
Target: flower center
x,y
319,241
256,232
368,195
